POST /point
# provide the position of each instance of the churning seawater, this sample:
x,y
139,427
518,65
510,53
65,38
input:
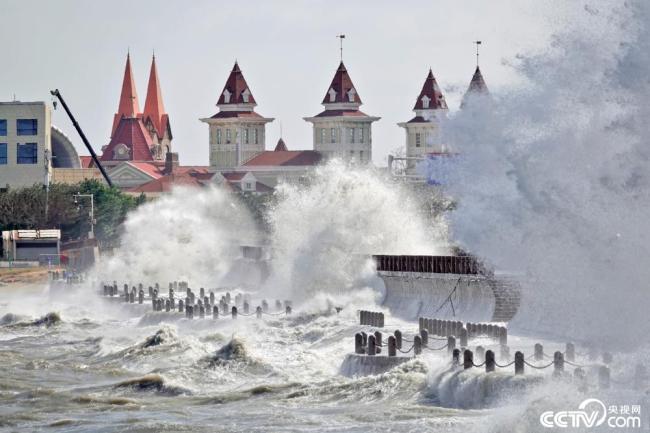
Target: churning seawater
x,y
81,363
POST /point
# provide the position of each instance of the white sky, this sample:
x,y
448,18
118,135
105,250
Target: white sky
x,y
287,50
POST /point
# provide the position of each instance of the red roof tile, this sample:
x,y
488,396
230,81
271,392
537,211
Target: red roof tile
x,y
238,114
152,169
86,161
168,182
128,106
344,113
341,83
285,158
236,84
431,90
132,133
154,109
233,176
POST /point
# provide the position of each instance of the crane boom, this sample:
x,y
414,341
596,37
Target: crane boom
x,y
83,136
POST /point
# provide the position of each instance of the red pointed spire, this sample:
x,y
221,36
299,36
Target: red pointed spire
x,y
476,87
478,83
236,90
129,106
154,109
280,146
430,97
342,89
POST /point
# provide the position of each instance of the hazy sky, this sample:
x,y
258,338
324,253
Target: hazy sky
x,y
287,50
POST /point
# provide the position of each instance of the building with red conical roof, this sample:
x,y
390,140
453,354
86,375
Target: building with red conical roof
x,y
477,88
237,132
342,130
423,135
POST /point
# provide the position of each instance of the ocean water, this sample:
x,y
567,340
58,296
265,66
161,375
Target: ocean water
x,y
97,364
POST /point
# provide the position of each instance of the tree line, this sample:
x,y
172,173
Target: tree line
x,y
36,207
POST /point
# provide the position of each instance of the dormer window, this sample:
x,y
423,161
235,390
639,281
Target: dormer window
x,y
332,94
226,96
351,94
121,151
425,101
246,95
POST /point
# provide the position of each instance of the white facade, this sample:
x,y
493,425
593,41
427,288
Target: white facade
x,y
235,140
348,138
25,144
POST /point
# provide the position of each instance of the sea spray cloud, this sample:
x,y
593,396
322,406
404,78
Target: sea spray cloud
x,y
324,231
554,177
189,234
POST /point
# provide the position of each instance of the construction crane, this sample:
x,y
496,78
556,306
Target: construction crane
x,y
82,135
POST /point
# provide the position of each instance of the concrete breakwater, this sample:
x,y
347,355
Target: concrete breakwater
x,y
458,287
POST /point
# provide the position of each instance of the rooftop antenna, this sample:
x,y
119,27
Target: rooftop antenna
x,y
341,37
477,44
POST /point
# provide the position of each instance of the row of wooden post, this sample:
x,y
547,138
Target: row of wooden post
x,y
371,318
445,328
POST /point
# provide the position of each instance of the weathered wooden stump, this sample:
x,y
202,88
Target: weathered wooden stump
x,y
417,345
519,363
392,346
558,363
258,312
451,344
539,352
490,362
358,343
372,348
233,312
570,352
463,336
398,338
378,338
215,312
455,357
424,335
468,359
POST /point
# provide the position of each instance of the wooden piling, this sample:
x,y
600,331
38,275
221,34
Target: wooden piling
x,y
480,354
424,335
539,352
455,357
140,297
372,347
398,338
462,334
558,363
364,339
181,306
287,310
233,312
211,297
168,306
358,343
258,312
417,345
201,311
246,307
265,306
451,344
519,363
490,362
392,346
570,352
503,335
468,359
215,312
378,338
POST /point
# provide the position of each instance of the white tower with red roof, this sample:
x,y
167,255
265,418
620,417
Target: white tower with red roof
x,y
423,134
342,130
237,132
